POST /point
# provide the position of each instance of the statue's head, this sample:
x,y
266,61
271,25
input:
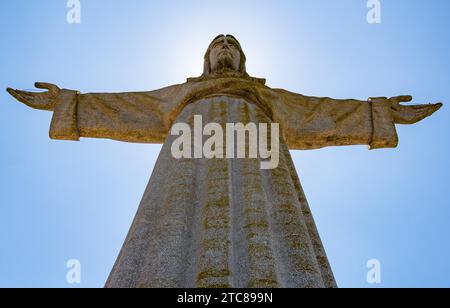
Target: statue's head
x,y
224,54
225,57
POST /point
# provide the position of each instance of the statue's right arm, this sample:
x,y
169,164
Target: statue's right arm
x,y
130,117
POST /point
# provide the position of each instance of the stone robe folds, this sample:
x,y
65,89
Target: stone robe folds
x,y
223,222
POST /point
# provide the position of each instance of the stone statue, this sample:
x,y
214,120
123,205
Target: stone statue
x,y
223,222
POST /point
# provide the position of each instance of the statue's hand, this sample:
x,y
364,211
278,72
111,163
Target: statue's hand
x,y
407,114
43,101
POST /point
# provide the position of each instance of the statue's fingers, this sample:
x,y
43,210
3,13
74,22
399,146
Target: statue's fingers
x,y
424,111
28,98
432,108
17,94
46,86
27,95
11,92
34,100
402,98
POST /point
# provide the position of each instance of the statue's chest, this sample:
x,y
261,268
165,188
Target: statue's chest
x,y
223,109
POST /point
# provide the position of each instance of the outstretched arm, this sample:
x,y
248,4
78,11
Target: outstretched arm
x,y
312,122
131,117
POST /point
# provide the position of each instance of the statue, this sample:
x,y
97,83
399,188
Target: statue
x,y
223,222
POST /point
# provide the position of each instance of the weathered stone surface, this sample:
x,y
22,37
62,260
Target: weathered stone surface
x,y
223,222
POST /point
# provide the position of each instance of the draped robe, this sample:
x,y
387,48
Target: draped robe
x,y
223,222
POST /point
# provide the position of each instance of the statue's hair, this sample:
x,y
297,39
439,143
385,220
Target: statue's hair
x,y
207,63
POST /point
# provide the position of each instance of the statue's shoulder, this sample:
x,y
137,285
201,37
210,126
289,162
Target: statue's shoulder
x,y
168,90
285,92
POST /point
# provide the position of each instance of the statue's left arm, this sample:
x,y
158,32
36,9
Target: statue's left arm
x,y
312,122
142,117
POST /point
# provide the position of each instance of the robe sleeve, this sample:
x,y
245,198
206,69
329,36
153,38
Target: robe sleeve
x,y
130,117
313,122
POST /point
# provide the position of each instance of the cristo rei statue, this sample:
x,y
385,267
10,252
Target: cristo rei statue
x,y
223,222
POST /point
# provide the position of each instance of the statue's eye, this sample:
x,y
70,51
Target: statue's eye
x,y
233,44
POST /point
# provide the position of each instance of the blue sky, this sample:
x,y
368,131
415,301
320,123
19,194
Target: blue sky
x,y
65,200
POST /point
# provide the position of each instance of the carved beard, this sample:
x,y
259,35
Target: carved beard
x,y
225,63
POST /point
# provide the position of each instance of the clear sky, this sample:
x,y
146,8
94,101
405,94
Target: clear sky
x,y
76,200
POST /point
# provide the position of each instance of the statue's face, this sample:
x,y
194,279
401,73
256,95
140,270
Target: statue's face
x,y
225,54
